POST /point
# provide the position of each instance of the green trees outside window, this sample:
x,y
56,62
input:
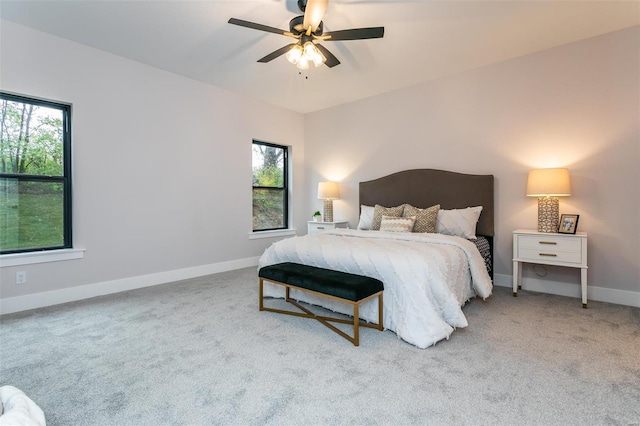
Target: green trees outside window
x,y
270,193
35,175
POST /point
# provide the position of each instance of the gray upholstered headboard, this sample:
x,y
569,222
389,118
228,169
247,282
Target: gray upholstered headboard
x,y
426,187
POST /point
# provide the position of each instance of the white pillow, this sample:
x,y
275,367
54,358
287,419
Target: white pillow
x,y
397,224
459,222
366,217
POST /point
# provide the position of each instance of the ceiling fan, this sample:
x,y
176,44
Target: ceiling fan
x,y
308,30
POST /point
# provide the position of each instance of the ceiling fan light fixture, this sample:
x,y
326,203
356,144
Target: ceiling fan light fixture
x,y
313,54
294,54
309,50
303,63
319,58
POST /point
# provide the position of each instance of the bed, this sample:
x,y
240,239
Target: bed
x,y
428,277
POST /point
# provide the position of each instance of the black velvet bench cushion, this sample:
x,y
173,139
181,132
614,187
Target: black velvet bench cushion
x,y
345,287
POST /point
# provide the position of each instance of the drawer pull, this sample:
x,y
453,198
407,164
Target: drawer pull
x,y
548,254
548,242
320,227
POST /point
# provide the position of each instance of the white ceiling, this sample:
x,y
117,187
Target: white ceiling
x,y
423,40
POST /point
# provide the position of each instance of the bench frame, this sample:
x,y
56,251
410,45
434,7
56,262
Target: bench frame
x,y
325,320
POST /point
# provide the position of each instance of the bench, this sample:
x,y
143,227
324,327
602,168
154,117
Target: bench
x,y
336,285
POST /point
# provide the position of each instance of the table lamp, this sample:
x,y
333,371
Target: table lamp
x,y
548,185
328,191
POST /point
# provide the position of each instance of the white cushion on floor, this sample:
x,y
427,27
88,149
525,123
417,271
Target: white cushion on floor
x,y
19,409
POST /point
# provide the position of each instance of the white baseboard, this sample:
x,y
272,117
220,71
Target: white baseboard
x,y
55,297
601,294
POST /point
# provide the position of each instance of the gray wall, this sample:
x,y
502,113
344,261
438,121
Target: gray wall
x,y
162,163
575,106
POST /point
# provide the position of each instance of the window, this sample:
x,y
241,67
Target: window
x,y
270,193
35,175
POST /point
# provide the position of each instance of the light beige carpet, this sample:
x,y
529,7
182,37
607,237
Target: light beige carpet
x,y
199,352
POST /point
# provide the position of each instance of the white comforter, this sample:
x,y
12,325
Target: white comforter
x,y
427,277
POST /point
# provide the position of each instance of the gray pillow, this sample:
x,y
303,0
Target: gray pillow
x,y
426,219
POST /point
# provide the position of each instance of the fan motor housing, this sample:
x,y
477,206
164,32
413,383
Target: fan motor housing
x,y
295,26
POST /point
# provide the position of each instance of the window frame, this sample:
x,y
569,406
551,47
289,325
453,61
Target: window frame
x,y
64,179
284,189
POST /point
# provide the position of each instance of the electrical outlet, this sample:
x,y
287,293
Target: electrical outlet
x,y
21,277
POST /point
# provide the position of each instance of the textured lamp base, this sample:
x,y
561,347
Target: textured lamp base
x,y
548,212
328,211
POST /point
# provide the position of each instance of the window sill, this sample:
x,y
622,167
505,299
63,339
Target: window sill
x,y
18,259
272,234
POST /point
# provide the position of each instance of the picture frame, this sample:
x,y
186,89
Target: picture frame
x,y
568,223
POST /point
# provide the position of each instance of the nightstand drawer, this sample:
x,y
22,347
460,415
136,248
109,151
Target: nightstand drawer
x,y
550,244
315,227
543,255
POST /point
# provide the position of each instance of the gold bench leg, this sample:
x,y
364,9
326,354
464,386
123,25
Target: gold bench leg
x,y
380,325
356,325
261,293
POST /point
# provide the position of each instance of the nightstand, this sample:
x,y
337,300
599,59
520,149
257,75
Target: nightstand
x,y
542,248
314,227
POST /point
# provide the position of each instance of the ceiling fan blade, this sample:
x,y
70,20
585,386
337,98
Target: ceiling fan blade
x,y
313,13
355,34
259,27
331,61
271,56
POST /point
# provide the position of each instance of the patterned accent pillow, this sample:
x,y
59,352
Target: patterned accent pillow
x,y
425,218
366,217
459,222
485,251
380,211
397,224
